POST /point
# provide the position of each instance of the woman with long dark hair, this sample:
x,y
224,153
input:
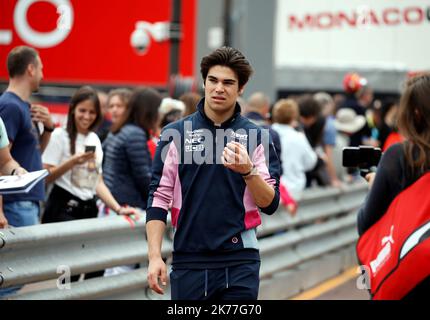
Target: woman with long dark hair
x,y
400,188
73,158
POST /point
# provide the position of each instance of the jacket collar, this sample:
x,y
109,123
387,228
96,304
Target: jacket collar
x,y
227,123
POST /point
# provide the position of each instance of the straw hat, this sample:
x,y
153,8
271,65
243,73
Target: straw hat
x,y
348,121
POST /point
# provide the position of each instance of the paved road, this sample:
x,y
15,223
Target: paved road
x,y
341,287
346,291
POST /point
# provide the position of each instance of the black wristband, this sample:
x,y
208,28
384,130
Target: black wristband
x,y
248,173
48,129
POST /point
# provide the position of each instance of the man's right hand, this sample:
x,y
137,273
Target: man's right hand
x,y
41,113
157,269
3,221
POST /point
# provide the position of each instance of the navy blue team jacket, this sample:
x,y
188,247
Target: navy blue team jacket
x,y
212,211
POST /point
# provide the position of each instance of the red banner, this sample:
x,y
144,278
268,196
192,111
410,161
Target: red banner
x,y
88,42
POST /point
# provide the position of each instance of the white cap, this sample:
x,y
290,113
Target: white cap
x,y
169,104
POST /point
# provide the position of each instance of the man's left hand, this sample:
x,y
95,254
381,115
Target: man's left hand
x,y
20,171
235,157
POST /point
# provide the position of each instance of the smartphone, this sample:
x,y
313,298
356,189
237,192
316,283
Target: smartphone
x,y
90,148
363,157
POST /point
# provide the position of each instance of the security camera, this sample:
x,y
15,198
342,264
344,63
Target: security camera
x,y
140,39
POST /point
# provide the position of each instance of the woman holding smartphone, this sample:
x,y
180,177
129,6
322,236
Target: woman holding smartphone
x,y
73,158
402,168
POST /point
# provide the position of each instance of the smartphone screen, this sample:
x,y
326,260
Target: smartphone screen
x,y
90,148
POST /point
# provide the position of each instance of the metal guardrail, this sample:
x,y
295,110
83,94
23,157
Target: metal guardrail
x,y
324,222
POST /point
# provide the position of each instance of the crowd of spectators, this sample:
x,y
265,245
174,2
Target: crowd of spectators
x,y
100,162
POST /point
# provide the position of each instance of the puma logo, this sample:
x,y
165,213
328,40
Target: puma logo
x,y
388,238
384,254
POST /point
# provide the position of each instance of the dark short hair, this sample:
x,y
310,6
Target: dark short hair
x,y
18,60
142,109
171,116
228,57
308,106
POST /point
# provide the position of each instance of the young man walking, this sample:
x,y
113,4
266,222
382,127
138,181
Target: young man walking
x,y
216,170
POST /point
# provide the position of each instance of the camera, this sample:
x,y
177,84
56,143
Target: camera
x,y
140,39
365,158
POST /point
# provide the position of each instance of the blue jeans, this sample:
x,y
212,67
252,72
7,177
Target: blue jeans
x,y
19,214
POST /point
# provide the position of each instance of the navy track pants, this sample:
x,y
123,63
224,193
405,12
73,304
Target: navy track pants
x,y
240,282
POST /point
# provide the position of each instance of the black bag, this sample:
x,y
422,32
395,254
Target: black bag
x,y
64,206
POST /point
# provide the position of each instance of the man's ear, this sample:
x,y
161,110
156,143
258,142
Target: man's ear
x,y
31,69
241,90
